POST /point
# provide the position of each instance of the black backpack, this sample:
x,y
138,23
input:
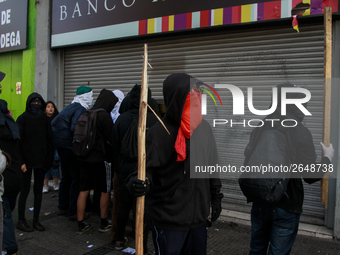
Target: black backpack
x,y
84,136
271,151
129,148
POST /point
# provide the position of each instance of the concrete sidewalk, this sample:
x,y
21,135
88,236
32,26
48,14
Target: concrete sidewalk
x,y
226,236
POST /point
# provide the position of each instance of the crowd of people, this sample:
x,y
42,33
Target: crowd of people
x,y
178,208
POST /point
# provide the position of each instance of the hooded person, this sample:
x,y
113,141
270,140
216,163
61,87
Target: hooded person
x,y
37,149
115,112
126,104
92,167
278,224
10,142
114,115
125,165
63,128
179,206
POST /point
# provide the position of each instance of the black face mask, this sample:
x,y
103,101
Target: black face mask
x,y
36,109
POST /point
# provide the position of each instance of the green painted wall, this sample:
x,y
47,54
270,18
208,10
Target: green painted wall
x,y
19,66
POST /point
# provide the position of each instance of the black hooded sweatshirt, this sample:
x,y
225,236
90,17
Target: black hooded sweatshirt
x,y
37,145
302,149
121,165
13,174
175,201
103,146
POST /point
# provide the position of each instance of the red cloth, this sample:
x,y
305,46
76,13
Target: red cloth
x,y
191,118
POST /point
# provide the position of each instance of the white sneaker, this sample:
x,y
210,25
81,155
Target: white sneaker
x,y
56,187
45,189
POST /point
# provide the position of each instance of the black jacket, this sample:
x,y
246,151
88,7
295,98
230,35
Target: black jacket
x,y
300,142
37,145
103,146
121,165
175,201
13,174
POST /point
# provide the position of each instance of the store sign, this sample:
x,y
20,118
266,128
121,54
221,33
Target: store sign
x,y
83,21
71,15
13,25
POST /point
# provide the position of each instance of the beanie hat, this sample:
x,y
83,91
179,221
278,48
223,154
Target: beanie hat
x,y
83,89
2,76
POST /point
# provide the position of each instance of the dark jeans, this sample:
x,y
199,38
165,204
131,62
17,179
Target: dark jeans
x,y
186,242
271,224
39,175
69,183
9,240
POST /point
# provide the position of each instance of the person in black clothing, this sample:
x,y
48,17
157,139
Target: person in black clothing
x,y
126,104
92,167
179,206
125,166
37,149
278,224
9,141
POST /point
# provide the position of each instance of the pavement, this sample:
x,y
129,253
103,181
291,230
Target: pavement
x,y
224,237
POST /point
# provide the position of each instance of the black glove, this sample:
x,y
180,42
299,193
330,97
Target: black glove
x,y
216,209
137,187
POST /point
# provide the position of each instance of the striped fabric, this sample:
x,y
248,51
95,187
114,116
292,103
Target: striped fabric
x,y
231,15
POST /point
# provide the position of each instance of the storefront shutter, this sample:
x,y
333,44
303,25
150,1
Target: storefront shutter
x,y
247,57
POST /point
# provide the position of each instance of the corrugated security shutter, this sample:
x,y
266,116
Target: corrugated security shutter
x,y
258,58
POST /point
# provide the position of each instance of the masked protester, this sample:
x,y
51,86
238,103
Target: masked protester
x,y
124,165
63,128
179,206
92,167
37,149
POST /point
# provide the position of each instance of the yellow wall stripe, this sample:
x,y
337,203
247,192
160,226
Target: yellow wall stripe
x,y
171,23
151,26
218,18
246,13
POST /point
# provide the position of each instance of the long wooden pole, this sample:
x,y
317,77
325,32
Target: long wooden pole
x,y
141,153
327,95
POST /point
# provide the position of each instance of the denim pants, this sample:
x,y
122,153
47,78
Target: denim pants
x,y
69,184
271,224
9,240
54,172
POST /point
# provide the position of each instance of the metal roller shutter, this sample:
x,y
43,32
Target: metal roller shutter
x,y
259,58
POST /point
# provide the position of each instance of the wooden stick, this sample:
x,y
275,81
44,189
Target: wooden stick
x,y
141,153
327,95
148,63
159,119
